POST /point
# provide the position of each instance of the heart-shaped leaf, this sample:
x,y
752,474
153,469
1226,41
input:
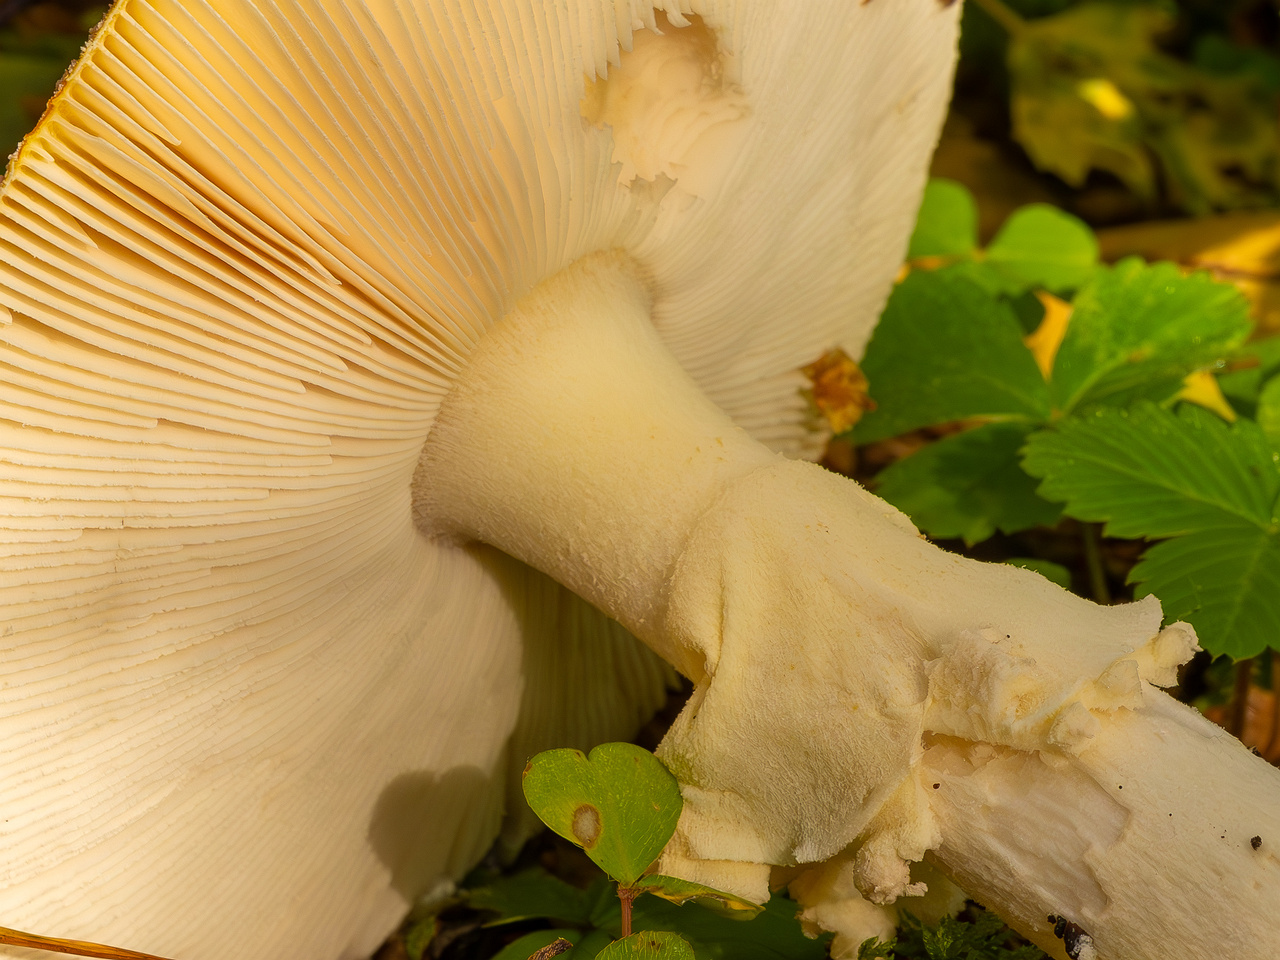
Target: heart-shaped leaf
x,y
682,891
620,804
649,945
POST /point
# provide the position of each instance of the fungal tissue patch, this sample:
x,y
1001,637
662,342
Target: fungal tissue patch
x,y
672,107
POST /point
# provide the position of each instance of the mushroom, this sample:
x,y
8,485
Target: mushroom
x,y
332,331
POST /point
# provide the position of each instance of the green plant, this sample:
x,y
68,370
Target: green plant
x,y
1091,88
985,937
632,803
620,805
1083,408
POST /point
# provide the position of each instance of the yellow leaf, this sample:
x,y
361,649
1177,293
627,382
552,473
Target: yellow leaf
x,y
839,389
1106,98
1202,388
1047,338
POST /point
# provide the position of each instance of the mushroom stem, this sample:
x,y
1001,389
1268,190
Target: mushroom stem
x,y
1133,840
577,444
843,665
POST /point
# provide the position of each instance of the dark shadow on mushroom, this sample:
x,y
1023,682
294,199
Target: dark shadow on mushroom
x,y
587,680
415,811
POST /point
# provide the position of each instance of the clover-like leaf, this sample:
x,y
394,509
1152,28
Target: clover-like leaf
x,y
947,224
620,804
1041,246
684,891
648,945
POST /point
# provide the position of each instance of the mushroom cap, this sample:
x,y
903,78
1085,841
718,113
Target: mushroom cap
x,y
243,258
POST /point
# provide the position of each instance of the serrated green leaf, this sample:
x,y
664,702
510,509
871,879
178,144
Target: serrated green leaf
x,y
534,893
1225,582
1137,330
620,804
968,485
945,350
1053,572
985,938
1147,472
1042,246
947,224
1268,412
873,948
680,892
649,945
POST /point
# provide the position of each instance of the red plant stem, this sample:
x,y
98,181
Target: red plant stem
x,y
626,895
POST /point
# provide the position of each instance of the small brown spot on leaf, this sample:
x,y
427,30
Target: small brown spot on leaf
x,y
586,825
1256,843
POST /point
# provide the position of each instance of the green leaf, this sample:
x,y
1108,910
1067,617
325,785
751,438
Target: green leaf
x,y
534,893
1029,309
27,77
968,485
419,937
590,945
1269,412
1092,90
874,948
650,945
1041,246
1055,119
531,943
944,350
1241,387
774,934
1225,582
947,224
984,938
680,892
1137,330
620,804
1053,572
1147,472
